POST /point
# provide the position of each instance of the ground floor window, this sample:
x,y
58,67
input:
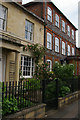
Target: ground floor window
x,y
49,62
27,66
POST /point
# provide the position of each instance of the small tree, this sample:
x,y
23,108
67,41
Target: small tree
x,y
64,72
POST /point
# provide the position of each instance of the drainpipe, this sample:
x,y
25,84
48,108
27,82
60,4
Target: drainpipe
x,y
45,31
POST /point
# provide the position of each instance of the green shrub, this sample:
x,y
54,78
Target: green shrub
x,y
9,106
64,90
24,103
33,84
12,105
51,90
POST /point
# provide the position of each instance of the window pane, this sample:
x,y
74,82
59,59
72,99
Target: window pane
x,y
63,26
68,50
28,30
57,21
56,44
27,66
72,51
68,30
49,14
49,41
49,62
3,15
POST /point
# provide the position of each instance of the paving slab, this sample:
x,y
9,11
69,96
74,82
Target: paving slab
x,y
67,111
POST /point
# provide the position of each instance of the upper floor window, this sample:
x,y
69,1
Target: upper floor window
x,y
49,62
3,17
56,44
28,30
49,14
69,50
57,21
27,66
63,26
73,34
49,41
63,48
68,30
73,51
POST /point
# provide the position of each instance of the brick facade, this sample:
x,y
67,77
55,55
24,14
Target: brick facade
x,y
41,9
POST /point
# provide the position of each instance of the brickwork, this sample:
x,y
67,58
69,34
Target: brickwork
x,y
55,31
68,99
36,8
34,112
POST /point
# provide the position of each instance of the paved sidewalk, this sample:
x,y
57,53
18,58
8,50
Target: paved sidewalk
x,y
68,111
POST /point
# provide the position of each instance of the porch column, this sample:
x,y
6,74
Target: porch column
x,y
17,61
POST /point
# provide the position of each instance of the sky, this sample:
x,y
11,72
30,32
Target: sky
x,y
69,8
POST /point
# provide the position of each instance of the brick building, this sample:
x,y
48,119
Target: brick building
x,y
59,32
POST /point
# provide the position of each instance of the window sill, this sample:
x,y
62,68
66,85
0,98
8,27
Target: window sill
x,y
49,49
57,27
26,77
49,21
57,52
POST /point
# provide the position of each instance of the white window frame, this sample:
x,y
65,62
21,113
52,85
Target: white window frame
x,y
69,51
73,34
57,20
63,26
49,61
49,14
3,17
73,51
68,30
28,30
49,41
31,67
56,44
63,48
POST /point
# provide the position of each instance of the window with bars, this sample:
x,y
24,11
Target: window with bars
x,y
57,21
3,17
49,14
49,41
73,34
27,66
56,44
28,30
68,30
63,26
49,62
69,50
63,48
73,51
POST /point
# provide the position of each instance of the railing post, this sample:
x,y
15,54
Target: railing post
x,y
57,90
43,91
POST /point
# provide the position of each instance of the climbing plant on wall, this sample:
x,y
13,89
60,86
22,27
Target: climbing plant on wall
x,y
37,51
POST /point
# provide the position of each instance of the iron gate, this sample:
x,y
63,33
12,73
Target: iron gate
x,y
50,96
